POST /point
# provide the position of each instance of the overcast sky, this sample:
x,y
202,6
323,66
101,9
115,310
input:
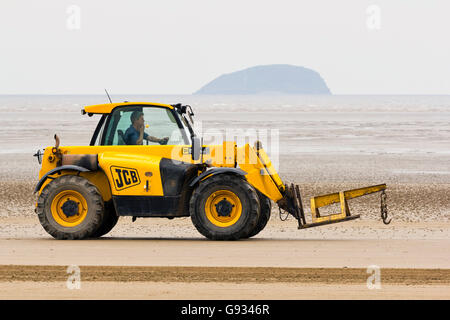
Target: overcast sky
x,y
175,47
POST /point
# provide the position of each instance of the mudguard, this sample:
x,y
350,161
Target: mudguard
x,y
216,171
58,169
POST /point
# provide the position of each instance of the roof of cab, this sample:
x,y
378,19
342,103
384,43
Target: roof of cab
x,y
108,107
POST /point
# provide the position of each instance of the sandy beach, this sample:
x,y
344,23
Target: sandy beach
x,y
177,262
417,239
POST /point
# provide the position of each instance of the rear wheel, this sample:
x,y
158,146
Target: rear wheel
x,y
224,207
70,207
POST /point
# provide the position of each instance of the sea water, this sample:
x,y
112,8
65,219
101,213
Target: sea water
x,y
298,124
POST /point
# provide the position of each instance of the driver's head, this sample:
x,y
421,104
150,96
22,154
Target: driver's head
x,y
137,118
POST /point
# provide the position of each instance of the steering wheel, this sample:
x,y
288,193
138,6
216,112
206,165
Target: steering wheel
x,y
164,141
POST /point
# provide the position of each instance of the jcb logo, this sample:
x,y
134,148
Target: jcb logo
x,y
124,177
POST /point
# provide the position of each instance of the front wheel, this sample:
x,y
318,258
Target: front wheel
x,y
224,207
109,221
264,216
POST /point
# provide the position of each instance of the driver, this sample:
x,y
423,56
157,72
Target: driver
x,y
135,133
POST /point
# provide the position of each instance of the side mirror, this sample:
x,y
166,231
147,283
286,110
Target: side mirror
x,y
196,146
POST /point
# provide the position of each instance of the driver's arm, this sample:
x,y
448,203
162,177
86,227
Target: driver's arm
x,y
155,139
139,139
142,136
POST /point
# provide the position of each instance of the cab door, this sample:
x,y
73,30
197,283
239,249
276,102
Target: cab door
x,y
137,166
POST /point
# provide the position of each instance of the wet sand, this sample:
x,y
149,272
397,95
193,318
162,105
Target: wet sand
x,y
224,274
112,282
195,269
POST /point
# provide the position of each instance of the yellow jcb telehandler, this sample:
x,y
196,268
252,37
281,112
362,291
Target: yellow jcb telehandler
x,y
135,169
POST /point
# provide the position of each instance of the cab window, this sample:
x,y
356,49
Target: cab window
x,y
143,125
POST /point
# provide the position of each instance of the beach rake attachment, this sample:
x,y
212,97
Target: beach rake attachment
x,y
292,203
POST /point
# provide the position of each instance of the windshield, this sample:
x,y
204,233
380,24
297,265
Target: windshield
x,y
144,125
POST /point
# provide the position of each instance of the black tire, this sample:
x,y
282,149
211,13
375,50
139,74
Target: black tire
x,y
93,217
249,207
264,216
110,219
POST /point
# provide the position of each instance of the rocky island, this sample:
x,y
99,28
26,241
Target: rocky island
x,y
268,79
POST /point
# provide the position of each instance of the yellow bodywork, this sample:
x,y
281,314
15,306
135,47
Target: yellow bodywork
x,y
145,160
261,177
134,170
57,212
108,107
339,197
211,211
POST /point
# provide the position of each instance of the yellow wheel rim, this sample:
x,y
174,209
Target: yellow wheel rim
x,y
69,208
223,208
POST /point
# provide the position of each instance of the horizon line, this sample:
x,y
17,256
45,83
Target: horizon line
x,y
197,94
